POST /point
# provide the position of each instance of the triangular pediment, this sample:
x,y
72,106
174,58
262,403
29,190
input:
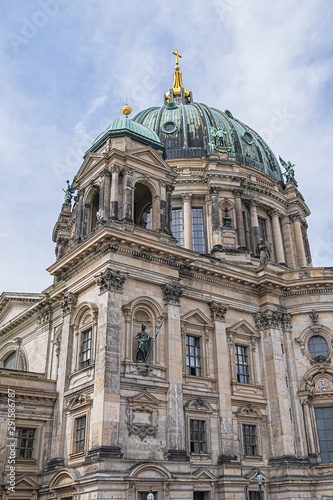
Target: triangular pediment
x,y
144,397
204,474
148,154
196,317
13,304
25,483
243,327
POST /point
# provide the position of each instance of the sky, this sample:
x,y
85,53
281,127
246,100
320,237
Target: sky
x,y
68,67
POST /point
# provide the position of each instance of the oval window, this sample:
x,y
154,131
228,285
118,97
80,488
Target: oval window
x,y
317,346
247,137
169,127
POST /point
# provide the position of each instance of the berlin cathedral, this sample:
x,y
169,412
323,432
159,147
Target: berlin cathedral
x,y
183,350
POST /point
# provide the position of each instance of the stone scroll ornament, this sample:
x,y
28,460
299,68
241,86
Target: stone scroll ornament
x,y
144,343
289,169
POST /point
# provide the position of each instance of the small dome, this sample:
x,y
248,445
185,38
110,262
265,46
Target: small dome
x,y
187,131
126,126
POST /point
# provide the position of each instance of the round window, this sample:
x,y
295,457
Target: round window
x,y
247,137
317,346
169,127
228,113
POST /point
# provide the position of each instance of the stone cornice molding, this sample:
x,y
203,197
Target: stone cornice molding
x,y
110,280
273,319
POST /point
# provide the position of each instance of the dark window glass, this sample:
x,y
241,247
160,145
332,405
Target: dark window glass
x,y
197,436
177,225
86,348
193,363
199,495
324,421
10,361
262,229
80,433
242,367
317,346
25,442
198,230
250,440
254,495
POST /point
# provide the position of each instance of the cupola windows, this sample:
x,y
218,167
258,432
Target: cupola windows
x,y
142,206
189,230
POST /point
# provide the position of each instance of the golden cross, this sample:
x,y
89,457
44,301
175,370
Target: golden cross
x,y
177,55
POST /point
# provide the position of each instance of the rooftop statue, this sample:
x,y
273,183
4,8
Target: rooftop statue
x,y
68,194
290,172
218,138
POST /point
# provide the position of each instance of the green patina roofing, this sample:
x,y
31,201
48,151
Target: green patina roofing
x,y
191,136
125,126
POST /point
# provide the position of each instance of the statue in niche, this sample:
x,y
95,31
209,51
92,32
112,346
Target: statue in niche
x,y
264,251
144,341
218,139
226,218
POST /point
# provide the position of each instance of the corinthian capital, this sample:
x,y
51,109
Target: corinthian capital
x,y
214,191
274,213
172,293
237,193
218,310
110,280
186,197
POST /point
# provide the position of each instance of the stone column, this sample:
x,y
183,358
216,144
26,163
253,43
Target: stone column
x,y
223,371
106,409
216,223
175,416
78,215
114,192
187,221
163,207
289,243
64,368
278,242
308,428
239,217
128,195
254,224
169,189
281,430
301,257
104,194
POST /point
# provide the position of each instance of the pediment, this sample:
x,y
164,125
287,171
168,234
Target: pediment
x,y
204,474
151,156
25,483
144,398
196,317
13,304
243,327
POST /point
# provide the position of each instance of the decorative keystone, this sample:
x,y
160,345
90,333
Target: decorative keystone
x,y
314,316
172,293
110,280
218,311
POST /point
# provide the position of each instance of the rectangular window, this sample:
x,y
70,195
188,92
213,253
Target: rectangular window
x,y
198,236
197,436
262,229
25,442
324,421
86,348
177,225
254,495
242,367
193,361
80,434
250,440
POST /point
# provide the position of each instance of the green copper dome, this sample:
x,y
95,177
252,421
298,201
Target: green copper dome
x,y
125,126
187,131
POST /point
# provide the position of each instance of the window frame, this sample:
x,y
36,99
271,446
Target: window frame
x,y
246,364
312,331
201,207
198,339
87,320
203,431
318,405
33,449
249,415
77,414
198,410
250,445
180,241
87,362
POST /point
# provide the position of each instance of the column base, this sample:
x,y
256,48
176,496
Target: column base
x,y
177,456
104,453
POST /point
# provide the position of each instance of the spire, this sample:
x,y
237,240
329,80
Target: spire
x,y
178,93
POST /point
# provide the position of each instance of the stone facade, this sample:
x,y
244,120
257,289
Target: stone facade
x,y
231,383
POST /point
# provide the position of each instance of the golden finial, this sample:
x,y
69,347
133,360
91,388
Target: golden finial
x,y
178,87
126,110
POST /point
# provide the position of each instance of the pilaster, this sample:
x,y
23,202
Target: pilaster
x,y
239,217
278,242
187,220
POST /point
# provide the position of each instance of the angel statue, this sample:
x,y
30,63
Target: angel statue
x,y
68,194
218,138
290,172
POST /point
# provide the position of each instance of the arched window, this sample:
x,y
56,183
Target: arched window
x,y
142,206
9,362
